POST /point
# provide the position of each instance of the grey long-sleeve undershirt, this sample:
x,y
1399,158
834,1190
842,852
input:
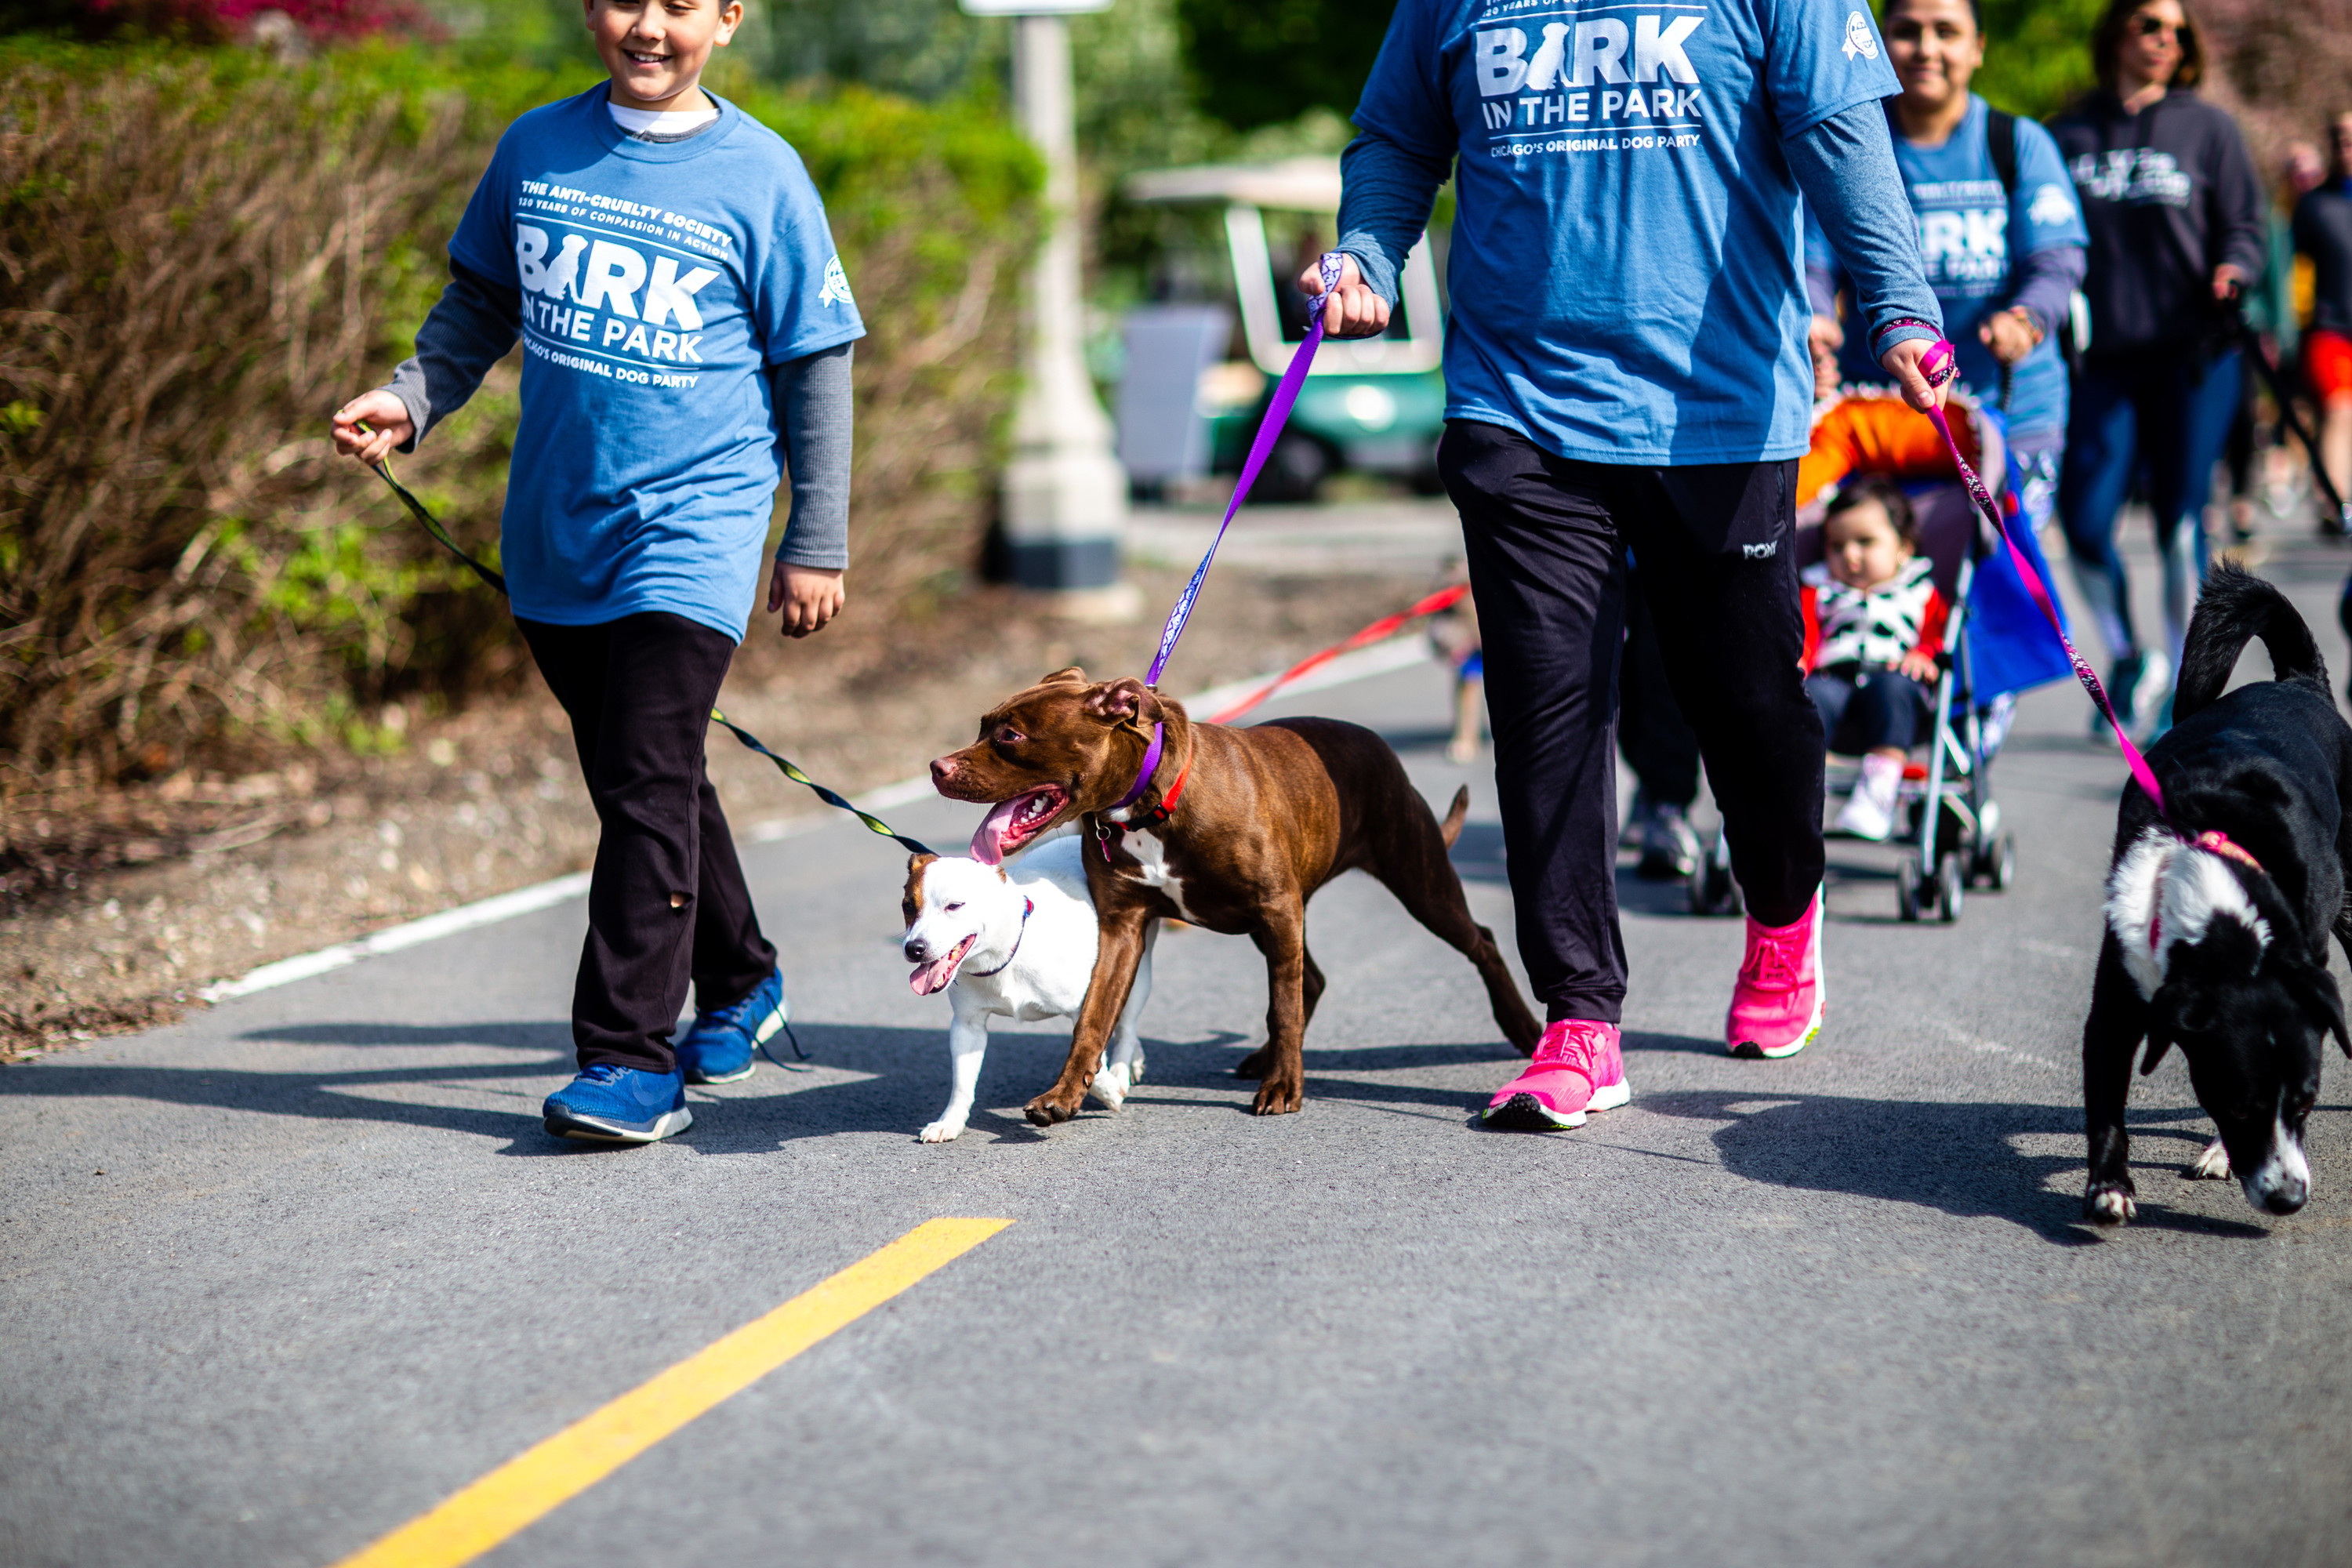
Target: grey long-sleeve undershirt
x,y
476,322
1844,167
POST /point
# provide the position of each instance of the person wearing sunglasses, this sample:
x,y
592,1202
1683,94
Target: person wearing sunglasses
x,y
2177,226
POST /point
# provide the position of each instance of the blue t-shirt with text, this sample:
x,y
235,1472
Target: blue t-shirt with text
x,y
1971,231
661,283
1625,264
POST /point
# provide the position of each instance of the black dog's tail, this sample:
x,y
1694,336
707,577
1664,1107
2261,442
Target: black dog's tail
x,y
2235,608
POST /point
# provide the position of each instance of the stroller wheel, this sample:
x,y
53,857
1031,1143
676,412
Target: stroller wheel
x,y
1951,886
1906,890
2003,873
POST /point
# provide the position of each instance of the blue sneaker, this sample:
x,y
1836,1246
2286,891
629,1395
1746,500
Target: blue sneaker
x,y
619,1105
718,1049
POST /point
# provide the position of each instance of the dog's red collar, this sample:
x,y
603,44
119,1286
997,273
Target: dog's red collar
x,y
1107,833
2219,844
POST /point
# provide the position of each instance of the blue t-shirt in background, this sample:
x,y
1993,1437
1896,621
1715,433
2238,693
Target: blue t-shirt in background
x,y
660,282
1625,264
1970,230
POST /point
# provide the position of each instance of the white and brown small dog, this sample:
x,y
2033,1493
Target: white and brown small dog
x,y
1012,944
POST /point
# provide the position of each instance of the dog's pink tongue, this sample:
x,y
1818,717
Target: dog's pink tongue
x,y
988,838
934,976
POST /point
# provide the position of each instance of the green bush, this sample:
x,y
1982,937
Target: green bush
x,y
202,254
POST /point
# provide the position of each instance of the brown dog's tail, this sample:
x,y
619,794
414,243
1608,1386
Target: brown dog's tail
x,y
1451,828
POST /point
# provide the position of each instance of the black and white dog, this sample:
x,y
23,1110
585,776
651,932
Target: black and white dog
x,y
2218,913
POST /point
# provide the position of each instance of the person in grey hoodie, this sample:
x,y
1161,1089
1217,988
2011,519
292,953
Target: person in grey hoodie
x,y
2178,227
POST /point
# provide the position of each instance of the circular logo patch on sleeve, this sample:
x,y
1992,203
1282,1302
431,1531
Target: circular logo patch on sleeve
x,y
1858,38
837,285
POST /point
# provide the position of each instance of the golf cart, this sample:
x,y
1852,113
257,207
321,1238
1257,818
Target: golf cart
x,y
1186,408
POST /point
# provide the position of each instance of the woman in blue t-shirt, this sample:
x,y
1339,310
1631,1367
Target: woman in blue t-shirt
x,y
1999,232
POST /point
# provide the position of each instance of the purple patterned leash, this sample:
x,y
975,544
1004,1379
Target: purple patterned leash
x,y
1938,367
1269,429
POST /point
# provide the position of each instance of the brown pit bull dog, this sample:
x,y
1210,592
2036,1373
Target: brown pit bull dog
x,y
1230,829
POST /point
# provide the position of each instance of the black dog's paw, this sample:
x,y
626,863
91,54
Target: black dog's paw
x,y
2213,1165
2109,1202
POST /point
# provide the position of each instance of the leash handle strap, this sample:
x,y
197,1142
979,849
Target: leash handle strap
x,y
1938,367
1269,429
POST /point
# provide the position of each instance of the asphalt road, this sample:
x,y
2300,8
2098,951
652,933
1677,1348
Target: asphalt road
x,y
281,1279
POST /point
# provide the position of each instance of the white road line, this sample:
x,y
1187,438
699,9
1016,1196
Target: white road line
x,y
1380,658
1983,1046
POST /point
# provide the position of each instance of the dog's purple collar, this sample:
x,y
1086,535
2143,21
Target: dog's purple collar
x,y
1028,907
1143,774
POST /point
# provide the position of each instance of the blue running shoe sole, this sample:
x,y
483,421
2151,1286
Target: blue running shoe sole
x,y
599,1130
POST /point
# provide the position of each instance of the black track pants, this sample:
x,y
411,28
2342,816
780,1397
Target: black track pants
x,y
1545,537
666,902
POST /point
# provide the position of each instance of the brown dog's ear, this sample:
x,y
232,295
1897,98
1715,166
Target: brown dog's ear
x,y
1068,675
1122,699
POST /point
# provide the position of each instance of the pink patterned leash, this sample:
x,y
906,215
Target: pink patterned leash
x,y
1938,367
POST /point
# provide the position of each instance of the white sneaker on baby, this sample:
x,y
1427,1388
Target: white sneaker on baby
x,y
1869,811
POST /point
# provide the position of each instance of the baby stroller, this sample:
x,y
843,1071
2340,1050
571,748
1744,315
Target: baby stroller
x,y
1996,644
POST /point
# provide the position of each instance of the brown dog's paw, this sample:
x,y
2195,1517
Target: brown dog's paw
x,y
1257,1064
1276,1098
1047,1109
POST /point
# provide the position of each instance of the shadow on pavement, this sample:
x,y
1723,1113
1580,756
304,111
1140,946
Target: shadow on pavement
x,y
335,1094
1959,1158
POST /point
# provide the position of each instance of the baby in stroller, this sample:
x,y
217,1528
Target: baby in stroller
x,y
1874,629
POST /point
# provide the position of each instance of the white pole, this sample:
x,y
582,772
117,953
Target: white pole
x,y
1064,497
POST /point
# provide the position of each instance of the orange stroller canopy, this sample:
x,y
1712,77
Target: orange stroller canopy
x,y
1874,434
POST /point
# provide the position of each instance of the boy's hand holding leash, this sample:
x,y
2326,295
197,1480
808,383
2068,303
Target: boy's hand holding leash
x,y
371,425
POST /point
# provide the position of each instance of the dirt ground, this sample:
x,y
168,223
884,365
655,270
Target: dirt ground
x,y
117,909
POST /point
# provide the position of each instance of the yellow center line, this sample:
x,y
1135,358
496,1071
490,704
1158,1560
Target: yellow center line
x,y
538,1481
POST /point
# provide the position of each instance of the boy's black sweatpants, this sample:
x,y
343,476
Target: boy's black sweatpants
x,y
1545,538
666,902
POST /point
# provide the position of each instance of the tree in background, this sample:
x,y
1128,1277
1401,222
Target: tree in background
x,y
2037,53
1253,63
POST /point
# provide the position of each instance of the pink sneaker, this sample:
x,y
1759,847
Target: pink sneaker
x,y
1776,1004
1578,1067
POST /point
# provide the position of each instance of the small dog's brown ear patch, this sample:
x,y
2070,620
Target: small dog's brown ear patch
x,y
1068,675
916,866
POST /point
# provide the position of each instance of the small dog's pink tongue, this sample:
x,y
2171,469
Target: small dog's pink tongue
x,y
988,838
936,974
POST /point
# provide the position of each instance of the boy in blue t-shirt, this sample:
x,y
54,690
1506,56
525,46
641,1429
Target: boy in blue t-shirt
x,y
2000,234
685,329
